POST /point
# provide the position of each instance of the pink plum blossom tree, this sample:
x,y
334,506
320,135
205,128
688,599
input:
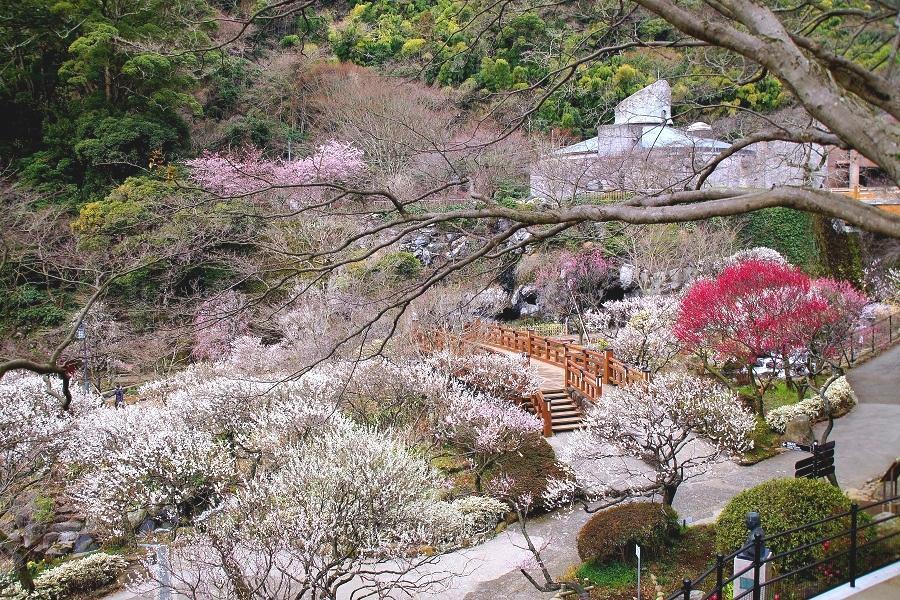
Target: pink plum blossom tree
x,y
248,172
217,323
484,428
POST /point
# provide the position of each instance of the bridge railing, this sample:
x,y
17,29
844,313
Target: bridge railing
x,y
584,369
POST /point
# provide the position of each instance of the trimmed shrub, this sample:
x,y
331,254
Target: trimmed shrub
x,y
613,533
839,394
73,577
785,504
462,522
528,472
484,512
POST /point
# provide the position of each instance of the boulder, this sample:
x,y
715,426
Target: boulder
x,y
526,300
68,537
136,517
147,525
85,543
33,532
60,549
49,538
799,430
70,525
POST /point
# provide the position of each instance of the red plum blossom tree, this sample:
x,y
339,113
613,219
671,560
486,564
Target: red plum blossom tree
x,y
753,308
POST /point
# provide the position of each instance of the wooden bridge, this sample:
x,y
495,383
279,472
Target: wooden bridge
x,y
573,376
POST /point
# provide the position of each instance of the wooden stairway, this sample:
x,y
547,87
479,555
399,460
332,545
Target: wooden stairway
x,y
566,416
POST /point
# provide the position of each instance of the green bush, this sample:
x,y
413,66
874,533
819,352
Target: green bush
x,y
785,504
613,533
398,266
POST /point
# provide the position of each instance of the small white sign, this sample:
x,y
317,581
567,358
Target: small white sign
x,y
637,550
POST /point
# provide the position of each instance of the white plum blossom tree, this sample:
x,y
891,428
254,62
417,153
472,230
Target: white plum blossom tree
x,y
639,330
142,460
501,376
344,513
34,431
647,439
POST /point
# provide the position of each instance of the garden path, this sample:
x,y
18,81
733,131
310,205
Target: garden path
x,y
868,440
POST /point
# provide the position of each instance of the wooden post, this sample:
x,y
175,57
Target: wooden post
x,y
853,175
530,342
607,355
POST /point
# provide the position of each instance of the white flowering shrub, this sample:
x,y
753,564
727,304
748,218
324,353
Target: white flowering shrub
x,y
498,375
758,253
462,522
840,396
72,577
483,511
639,330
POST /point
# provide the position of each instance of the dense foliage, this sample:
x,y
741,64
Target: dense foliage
x,y
785,504
612,533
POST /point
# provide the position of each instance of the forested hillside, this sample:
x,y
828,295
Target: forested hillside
x,y
105,100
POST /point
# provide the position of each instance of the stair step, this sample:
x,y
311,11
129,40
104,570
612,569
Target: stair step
x,y
563,406
565,427
566,413
565,420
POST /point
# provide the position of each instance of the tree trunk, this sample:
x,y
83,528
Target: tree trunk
x,y
669,493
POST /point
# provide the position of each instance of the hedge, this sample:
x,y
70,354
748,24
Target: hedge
x,y
784,504
528,472
613,533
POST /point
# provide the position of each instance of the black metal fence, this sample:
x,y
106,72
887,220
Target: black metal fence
x,y
862,544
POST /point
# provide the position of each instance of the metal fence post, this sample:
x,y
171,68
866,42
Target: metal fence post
x,y
720,575
757,565
686,589
854,535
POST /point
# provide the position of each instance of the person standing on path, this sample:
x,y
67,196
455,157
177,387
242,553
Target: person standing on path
x,y
120,397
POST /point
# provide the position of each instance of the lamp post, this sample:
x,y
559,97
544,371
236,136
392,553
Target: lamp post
x,y
81,334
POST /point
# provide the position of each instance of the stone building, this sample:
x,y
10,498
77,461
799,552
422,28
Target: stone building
x,y
642,151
